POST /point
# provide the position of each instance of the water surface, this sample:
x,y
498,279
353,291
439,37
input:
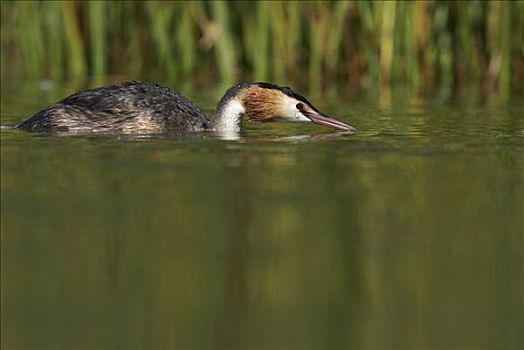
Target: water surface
x,y
408,234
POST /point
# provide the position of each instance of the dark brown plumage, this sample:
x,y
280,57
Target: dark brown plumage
x,y
127,107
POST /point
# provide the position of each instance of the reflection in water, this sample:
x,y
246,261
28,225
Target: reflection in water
x,y
407,234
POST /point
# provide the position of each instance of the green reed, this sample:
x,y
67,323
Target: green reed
x,y
75,39
336,34
505,47
225,44
96,14
185,39
279,42
161,17
54,39
260,40
420,43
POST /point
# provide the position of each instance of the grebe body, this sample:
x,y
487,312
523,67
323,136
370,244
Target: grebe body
x,y
138,107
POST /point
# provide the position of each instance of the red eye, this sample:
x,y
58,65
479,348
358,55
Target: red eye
x,y
300,106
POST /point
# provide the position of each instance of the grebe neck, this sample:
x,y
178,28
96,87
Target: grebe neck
x,y
228,116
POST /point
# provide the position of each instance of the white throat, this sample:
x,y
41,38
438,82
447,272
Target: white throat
x,y
228,117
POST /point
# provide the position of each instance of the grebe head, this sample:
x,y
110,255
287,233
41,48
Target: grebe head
x,y
268,102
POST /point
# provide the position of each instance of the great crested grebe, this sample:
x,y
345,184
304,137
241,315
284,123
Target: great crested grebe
x,y
138,107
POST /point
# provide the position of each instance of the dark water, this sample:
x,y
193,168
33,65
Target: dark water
x,y
408,234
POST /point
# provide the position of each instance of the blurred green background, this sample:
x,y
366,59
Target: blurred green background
x,y
406,235
421,44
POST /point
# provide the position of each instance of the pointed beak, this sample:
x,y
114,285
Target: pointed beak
x,y
322,119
